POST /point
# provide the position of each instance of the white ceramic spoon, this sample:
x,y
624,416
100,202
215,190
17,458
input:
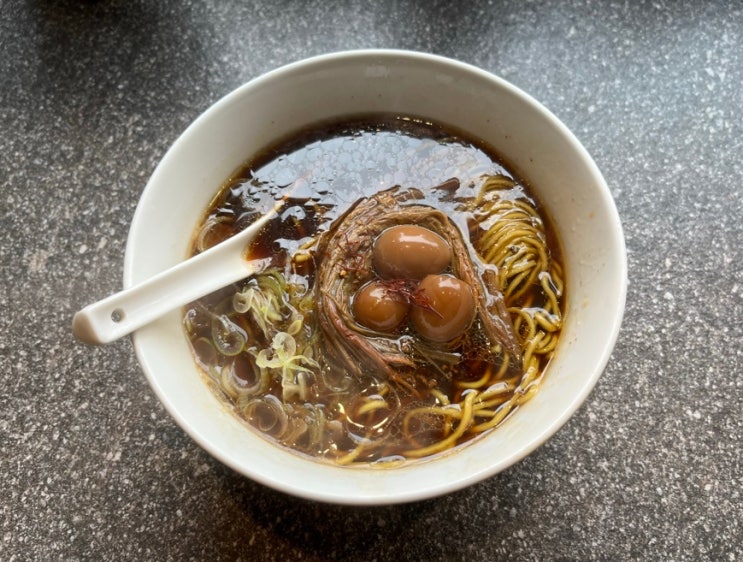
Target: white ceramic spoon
x,y
122,313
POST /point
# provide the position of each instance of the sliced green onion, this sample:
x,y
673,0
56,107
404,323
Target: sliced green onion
x,y
229,338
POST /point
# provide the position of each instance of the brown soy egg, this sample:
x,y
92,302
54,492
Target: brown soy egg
x,y
448,311
378,308
409,251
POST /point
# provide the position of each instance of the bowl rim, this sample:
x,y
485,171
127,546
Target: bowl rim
x,y
446,485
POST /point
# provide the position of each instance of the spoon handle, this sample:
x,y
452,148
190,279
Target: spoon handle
x,y
122,313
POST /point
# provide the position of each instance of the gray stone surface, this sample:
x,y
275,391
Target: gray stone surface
x,y
92,467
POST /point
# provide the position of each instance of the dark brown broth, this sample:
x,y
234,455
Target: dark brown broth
x,y
335,164
326,169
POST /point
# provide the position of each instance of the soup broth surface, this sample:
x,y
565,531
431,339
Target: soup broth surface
x,y
292,351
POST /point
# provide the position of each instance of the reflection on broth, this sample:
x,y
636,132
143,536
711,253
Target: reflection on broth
x,y
409,297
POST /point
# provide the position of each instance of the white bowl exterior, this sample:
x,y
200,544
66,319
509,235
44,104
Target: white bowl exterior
x,y
540,148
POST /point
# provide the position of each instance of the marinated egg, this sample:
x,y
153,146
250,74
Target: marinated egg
x,y
409,251
453,305
375,307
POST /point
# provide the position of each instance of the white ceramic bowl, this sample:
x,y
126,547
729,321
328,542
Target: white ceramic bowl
x,y
541,149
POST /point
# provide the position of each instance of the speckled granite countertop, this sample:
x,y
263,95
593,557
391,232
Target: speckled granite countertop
x,y
92,467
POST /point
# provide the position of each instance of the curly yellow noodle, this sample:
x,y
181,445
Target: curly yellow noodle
x,y
498,416
496,394
352,456
527,395
440,396
372,405
522,266
464,422
493,403
547,345
515,242
482,381
483,413
496,390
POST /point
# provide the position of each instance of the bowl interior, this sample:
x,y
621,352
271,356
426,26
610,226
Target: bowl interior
x,y
533,141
